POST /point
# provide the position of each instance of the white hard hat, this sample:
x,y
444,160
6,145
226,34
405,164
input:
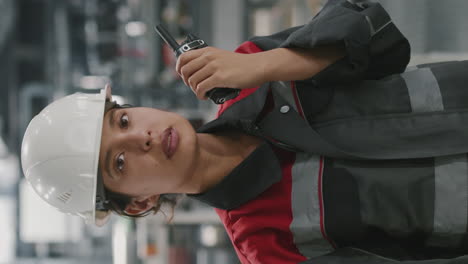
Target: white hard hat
x,y
60,154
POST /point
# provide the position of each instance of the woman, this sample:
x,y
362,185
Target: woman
x,y
298,171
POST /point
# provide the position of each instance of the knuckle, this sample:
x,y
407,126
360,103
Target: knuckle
x,y
209,67
218,77
182,59
215,69
209,55
184,71
207,50
193,83
193,90
206,58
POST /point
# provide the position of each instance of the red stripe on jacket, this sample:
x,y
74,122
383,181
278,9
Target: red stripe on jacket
x,y
260,229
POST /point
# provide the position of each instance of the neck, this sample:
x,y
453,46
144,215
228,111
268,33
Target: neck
x,y
219,155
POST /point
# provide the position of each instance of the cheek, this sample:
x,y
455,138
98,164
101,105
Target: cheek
x,y
147,174
141,167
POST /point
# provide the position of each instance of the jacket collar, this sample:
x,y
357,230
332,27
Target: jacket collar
x,y
249,179
257,172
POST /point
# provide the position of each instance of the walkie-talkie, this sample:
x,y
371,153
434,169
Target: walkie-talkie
x,y
217,95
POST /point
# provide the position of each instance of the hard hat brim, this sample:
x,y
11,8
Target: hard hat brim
x,y
99,218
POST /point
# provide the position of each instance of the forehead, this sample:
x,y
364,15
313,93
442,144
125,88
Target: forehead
x,y
105,136
106,123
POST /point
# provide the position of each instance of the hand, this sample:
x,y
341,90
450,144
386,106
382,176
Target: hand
x,y
207,68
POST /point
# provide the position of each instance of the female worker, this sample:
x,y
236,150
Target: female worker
x,y
352,162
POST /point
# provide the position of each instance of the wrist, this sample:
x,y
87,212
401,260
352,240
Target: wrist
x,y
285,64
271,64
263,66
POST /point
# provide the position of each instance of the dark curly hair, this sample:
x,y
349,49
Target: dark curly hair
x,y
117,202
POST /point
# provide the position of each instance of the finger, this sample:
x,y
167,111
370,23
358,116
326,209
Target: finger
x,y
199,76
191,68
186,57
206,85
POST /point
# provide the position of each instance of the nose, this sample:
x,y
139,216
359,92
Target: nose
x,y
139,140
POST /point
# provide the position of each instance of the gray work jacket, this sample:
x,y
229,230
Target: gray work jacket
x,y
395,138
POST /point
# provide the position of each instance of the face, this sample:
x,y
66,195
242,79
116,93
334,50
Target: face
x,y
145,151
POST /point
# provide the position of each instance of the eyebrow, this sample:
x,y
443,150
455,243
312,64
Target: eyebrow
x,y
112,118
108,162
107,157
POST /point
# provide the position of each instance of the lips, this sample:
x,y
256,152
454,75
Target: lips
x,y
170,141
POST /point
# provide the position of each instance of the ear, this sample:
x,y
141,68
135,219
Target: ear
x,y
141,204
108,92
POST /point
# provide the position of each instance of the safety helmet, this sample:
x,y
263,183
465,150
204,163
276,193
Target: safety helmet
x,y
60,155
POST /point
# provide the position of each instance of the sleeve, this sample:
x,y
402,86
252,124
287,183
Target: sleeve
x,y
247,47
374,46
356,256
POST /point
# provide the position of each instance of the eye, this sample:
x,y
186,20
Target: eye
x,y
120,163
124,121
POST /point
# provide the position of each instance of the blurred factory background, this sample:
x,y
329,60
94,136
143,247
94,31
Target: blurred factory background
x,y
49,48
